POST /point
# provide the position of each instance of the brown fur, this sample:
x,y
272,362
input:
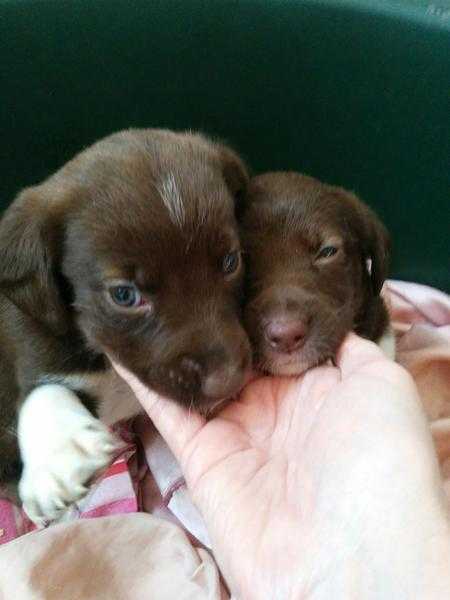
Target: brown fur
x,y
287,219
101,217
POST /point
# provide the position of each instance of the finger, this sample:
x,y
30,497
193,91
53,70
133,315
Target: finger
x,y
319,381
358,355
440,431
175,423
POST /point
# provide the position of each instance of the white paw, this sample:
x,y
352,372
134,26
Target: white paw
x,y
64,450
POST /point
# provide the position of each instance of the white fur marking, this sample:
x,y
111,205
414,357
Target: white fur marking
x,y
63,446
387,343
171,197
115,399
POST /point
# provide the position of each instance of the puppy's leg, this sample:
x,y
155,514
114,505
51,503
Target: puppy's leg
x,y
62,446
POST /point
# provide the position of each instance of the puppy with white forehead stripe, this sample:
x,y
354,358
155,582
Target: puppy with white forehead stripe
x,y
316,259
131,250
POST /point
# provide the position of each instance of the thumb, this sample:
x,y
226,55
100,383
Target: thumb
x,y
357,355
176,424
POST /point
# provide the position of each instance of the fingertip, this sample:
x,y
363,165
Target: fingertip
x,y
175,423
125,374
356,352
145,396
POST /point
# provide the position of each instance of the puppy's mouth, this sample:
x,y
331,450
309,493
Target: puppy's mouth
x,y
205,393
287,343
292,363
213,407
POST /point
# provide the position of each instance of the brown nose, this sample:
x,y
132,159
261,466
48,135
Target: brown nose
x,y
286,335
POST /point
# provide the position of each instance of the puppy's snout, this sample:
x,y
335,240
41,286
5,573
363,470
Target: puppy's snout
x,y
285,334
190,367
215,375
223,382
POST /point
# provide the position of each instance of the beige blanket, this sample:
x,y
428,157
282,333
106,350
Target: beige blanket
x,y
136,557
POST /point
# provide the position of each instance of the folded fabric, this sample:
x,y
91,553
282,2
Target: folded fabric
x,y
133,556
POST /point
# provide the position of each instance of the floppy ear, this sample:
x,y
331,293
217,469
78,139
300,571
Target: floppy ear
x,y
375,244
379,248
235,174
372,236
30,248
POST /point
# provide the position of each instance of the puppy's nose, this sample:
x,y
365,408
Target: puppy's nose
x,y
286,335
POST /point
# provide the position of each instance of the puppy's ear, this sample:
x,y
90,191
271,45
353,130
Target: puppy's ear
x,y
235,174
374,242
379,248
30,254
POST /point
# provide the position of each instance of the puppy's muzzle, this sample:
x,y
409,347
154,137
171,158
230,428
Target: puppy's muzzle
x,y
213,378
285,316
285,333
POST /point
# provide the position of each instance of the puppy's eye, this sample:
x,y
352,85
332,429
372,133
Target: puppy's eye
x,y
231,262
126,296
327,252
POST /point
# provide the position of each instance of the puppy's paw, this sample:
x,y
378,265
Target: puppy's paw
x,y
62,457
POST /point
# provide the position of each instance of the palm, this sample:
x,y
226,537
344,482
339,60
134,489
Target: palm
x,y
252,442
298,446
279,428
281,473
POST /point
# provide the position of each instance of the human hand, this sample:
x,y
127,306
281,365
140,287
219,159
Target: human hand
x,y
323,486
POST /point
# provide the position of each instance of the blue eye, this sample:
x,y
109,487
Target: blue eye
x,y
231,262
327,252
126,296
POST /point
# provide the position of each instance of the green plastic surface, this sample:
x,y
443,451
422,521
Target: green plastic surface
x,y
355,93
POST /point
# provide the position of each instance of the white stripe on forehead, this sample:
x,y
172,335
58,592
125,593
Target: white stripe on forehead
x,y
170,195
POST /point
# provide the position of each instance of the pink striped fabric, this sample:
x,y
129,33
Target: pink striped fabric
x,y
114,493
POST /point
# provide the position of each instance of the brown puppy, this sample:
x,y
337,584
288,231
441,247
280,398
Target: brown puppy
x,y
316,258
130,250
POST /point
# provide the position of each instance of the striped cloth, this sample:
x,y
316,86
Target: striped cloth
x,y
144,477
115,492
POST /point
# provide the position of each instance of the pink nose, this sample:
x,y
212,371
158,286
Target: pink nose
x,y
285,335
